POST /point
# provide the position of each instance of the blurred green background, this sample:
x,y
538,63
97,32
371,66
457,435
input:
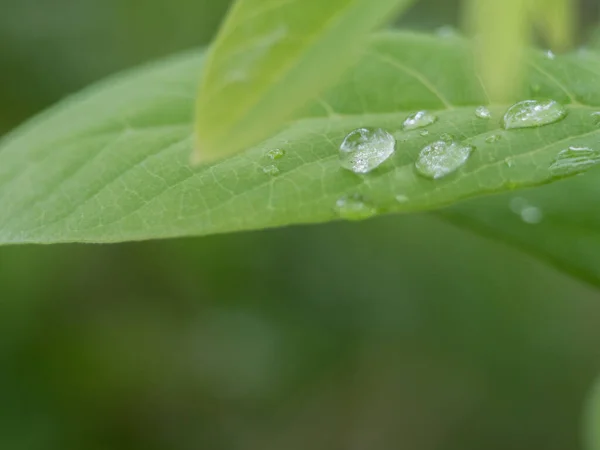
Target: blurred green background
x,y
400,332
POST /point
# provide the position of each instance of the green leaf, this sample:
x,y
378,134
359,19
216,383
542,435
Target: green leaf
x,y
592,430
269,58
111,164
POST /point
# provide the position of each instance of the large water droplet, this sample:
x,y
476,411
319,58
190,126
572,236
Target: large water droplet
x,y
276,153
365,149
442,158
574,160
353,207
483,113
533,113
419,119
271,170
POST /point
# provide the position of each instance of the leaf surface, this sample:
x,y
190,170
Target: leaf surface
x,y
112,164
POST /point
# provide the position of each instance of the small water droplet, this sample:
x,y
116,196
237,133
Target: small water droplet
x,y
424,133
493,138
483,113
533,113
596,117
401,198
447,137
275,154
529,214
532,215
574,160
509,162
442,158
517,204
419,119
535,89
353,207
271,170
366,149
549,54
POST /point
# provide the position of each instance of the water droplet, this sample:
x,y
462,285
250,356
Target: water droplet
x,y
401,198
442,158
529,214
447,137
549,54
275,154
517,204
419,119
493,138
353,207
532,215
533,113
424,133
596,117
483,113
574,160
271,170
366,149
509,162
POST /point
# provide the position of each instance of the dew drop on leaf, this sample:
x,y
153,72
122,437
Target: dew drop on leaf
x,y
532,215
442,158
528,213
549,54
596,117
446,137
353,207
483,113
419,119
574,160
365,149
533,113
493,138
400,198
271,170
424,133
275,154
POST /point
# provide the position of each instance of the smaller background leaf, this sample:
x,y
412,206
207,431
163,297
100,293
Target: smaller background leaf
x,y
270,58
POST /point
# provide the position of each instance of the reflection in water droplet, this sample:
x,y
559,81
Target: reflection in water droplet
x,y
271,170
419,120
483,113
533,113
276,153
366,149
353,207
401,198
574,160
493,138
528,213
442,158
424,133
549,54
